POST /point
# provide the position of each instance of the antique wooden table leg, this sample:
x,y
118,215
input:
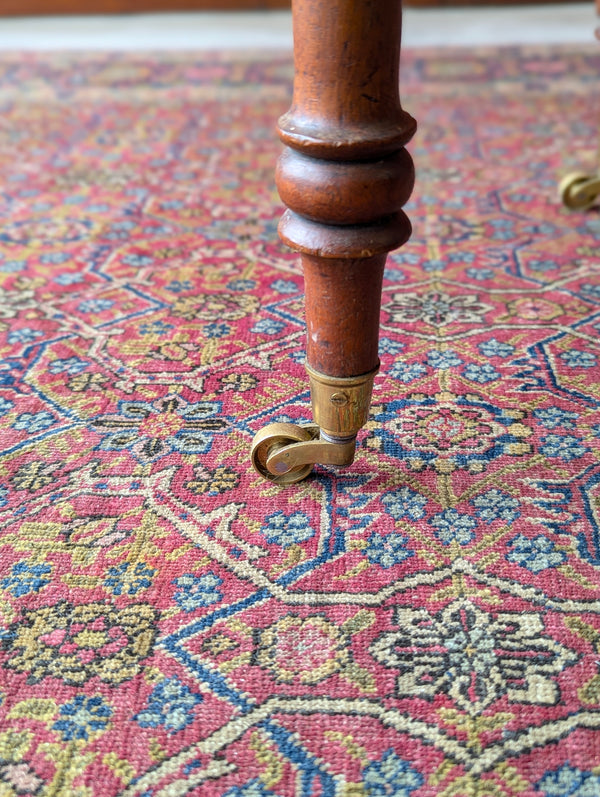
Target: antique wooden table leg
x,y
344,176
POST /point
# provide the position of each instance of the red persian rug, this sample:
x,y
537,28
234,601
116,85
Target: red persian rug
x,y
426,622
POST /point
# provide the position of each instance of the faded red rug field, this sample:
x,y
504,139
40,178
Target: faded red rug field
x,y
426,622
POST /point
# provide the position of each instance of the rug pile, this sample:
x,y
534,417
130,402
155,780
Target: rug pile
x,y
426,622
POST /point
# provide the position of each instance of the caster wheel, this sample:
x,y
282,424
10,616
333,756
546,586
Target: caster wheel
x,y
276,436
578,190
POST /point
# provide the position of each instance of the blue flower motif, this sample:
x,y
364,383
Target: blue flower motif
x,y
565,447
480,274
391,775
286,530
540,229
33,422
95,305
387,550
12,266
496,505
216,330
268,326
591,289
123,225
503,229
542,265
170,704
394,275
461,257
254,788
6,377
443,359
241,285
552,417
179,286
480,373
434,265
407,372
406,257
155,328
55,257
24,335
405,503
5,405
578,359
453,526
197,591
389,346
71,365
68,278
536,554
567,781
138,260
495,348
128,579
284,418
82,716
26,578
284,286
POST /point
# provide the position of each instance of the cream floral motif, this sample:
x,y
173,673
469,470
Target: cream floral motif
x,y
436,308
13,302
473,656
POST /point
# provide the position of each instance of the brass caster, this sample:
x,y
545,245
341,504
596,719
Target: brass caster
x,y
579,191
285,453
272,439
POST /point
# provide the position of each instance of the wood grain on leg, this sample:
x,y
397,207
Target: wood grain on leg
x,y
345,174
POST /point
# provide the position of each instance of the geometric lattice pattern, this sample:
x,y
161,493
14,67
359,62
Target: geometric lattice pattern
x,y
426,622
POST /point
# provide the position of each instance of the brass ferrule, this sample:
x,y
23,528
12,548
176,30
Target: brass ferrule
x,y
340,404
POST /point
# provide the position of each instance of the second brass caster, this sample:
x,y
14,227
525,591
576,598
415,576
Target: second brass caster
x,y
579,191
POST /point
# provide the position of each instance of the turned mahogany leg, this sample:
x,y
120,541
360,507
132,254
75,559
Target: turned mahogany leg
x,y
344,176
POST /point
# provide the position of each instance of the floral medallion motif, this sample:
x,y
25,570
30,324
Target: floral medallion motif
x,y
153,429
436,308
307,650
221,306
473,656
74,643
46,231
449,432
